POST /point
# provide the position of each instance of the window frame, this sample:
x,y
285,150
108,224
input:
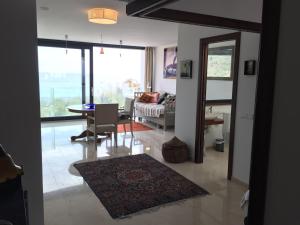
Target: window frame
x,y
83,46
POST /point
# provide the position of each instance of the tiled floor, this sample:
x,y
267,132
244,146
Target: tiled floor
x,y
69,201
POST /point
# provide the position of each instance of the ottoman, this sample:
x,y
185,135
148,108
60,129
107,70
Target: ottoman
x,y
175,151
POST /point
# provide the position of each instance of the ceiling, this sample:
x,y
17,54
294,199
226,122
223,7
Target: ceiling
x,y
249,10
56,18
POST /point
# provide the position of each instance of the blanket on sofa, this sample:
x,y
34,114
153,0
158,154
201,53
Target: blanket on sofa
x,y
149,109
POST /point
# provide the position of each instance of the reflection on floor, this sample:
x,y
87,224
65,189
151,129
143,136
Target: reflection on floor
x,y
68,200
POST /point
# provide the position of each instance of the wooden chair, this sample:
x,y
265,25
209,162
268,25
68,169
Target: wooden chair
x,y
126,115
105,119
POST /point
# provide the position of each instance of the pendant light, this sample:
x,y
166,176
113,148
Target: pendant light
x,y
101,49
66,39
121,43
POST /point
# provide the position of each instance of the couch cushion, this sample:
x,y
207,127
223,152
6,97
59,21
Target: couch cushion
x,y
149,97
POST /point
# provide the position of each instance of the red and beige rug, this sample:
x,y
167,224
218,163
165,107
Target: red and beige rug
x,y
136,127
133,183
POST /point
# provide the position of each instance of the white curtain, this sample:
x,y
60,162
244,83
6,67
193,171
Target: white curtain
x,y
149,52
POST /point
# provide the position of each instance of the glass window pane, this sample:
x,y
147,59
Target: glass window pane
x,y
220,60
60,80
219,66
118,73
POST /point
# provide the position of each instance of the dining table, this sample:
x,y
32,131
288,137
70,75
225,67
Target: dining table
x,y
86,110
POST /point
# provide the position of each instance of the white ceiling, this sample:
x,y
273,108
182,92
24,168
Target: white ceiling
x,y
70,17
249,10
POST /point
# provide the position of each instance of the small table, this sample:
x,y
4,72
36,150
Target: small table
x,y
83,109
86,111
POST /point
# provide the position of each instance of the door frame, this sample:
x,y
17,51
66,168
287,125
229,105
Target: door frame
x,y
201,100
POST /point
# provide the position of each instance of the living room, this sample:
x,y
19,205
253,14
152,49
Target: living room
x,y
172,46
66,196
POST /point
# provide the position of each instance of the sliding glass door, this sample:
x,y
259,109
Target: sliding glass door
x,y
77,73
118,73
63,74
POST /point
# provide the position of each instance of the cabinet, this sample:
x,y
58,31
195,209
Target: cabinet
x,y
13,207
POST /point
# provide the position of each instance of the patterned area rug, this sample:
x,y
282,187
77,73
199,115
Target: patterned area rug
x,y
136,127
129,184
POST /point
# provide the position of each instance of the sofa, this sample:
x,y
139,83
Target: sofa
x,y
159,109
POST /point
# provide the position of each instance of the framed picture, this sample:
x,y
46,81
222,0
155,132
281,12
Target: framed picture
x,y
250,67
186,69
170,63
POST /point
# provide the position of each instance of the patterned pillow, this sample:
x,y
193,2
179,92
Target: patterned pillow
x,y
145,98
155,97
149,97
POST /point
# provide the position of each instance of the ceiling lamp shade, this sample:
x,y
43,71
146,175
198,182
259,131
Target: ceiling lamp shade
x,y
103,16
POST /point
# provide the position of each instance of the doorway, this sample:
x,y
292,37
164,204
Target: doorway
x,y
219,65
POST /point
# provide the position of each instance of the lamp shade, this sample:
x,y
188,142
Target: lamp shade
x,y
103,16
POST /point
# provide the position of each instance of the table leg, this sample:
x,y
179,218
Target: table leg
x,y
84,134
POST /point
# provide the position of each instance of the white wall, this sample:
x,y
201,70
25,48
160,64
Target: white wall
x,y
186,96
186,102
245,109
19,97
218,89
282,205
161,84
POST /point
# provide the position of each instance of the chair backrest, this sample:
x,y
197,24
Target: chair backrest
x,y
128,107
106,114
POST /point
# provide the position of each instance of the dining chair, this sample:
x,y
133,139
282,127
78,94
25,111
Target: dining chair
x,y
126,115
105,119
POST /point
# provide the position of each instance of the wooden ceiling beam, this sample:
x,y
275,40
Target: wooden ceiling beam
x,y
142,7
203,20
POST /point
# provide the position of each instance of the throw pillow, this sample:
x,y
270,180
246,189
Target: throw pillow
x,y
149,97
145,98
154,97
162,98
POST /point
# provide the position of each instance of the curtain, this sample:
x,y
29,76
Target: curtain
x,y
149,53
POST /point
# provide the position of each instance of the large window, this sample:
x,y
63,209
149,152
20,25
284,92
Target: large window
x,y
220,61
67,78
118,73
60,75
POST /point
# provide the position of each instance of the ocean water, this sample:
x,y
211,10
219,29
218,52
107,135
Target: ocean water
x,y
68,86
60,85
